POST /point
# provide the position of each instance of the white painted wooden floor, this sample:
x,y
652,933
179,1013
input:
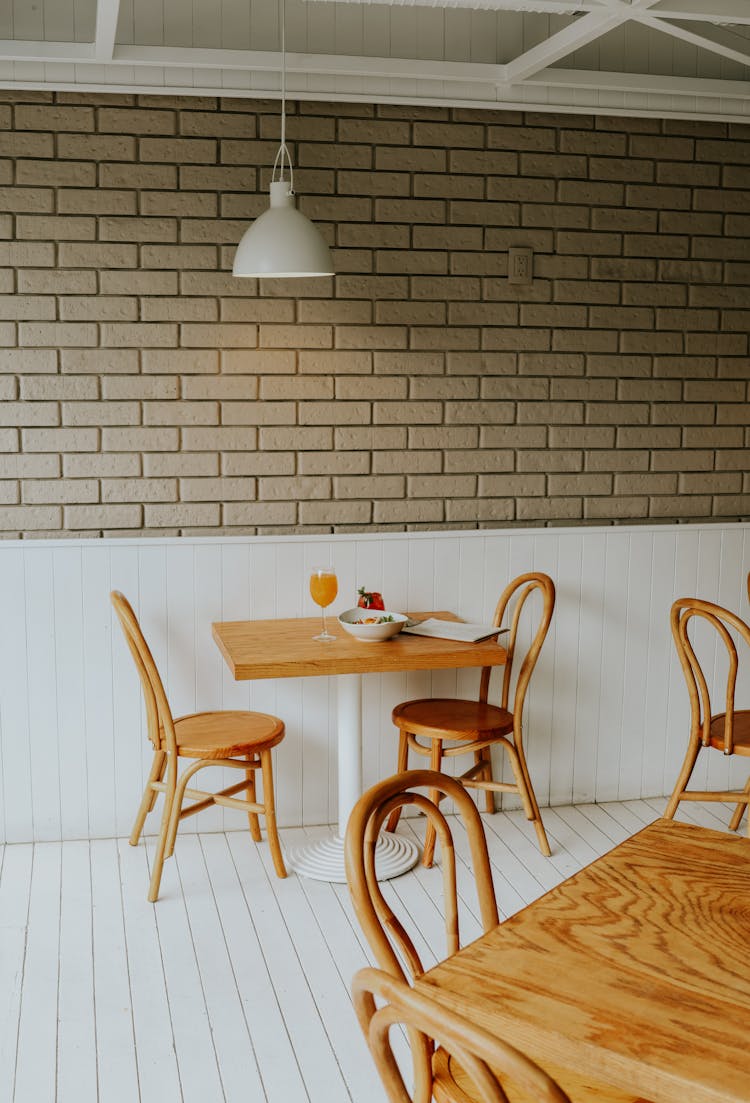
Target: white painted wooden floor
x,y
234,986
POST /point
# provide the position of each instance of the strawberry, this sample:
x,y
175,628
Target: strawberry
x,y
372,600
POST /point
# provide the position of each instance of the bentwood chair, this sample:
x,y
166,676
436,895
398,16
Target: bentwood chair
x,y
395,951
426,725
237,740
392,945
727,731
467,1065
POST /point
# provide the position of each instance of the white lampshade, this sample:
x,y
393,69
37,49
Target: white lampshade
x,y
282,242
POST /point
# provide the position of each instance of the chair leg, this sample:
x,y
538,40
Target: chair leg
x,y
683,779
523,780
153,888
485,755
401,765
252,817
179,797
739,812
270,813
436,757
149,795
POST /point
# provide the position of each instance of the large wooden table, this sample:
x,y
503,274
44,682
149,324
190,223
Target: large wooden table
x,y
286,649
636,969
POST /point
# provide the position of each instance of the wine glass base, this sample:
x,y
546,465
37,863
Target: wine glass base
x,y
325,637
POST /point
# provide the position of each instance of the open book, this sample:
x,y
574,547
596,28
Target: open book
x,y
453,630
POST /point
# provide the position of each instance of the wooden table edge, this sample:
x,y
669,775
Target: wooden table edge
x,y
364,661
220,644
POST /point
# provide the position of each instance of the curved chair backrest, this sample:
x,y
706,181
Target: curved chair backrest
x,y
521,588
721,620
487,1061
158,712
386,935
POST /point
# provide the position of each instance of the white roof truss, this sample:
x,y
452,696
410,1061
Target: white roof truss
x,y
552,55
702,41
606,17
107,14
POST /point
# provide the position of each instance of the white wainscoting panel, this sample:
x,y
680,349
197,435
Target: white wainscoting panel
x,y
607,716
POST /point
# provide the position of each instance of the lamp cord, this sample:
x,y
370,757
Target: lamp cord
x,y
283,150
283,72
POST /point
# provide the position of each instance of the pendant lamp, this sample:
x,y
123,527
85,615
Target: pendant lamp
x,y
282,242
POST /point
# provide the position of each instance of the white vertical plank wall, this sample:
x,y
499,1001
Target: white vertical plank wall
x,y
607,717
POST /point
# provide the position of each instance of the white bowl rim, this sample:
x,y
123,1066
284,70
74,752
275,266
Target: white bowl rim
x,y
351,616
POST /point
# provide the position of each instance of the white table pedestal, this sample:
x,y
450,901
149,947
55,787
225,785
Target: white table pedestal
x,y
324,859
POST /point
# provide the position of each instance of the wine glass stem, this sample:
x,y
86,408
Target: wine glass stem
x,y
323,615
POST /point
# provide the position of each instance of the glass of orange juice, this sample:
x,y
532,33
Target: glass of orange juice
x,y
323,589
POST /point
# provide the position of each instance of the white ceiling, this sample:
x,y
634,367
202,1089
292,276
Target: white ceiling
x,y
667,58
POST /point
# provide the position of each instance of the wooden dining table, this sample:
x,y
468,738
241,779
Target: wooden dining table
x,y
288,649
636,970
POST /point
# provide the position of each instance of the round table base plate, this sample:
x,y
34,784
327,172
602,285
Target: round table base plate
x,y
324,860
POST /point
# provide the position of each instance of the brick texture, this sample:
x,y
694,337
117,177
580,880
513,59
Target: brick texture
x,y
143,388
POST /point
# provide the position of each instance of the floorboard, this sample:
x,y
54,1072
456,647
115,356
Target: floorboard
x,y
234,987
37,1027
76,1029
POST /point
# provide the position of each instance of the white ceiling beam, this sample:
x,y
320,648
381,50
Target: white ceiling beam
x,y
538,7
703,43
336,65
588,28
178,57
269,62
719,11
107,14
16,49
696,87
630,95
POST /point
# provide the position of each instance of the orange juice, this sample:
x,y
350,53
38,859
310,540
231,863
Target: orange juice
x,y
323,588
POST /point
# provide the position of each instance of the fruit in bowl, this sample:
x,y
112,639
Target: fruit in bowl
x,y
370,599
372,626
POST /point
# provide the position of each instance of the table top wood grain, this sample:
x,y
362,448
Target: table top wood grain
x,y
636,969
286,649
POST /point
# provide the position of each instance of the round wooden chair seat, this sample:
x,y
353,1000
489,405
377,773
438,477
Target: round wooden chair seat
x,y
741,733
226,734
446,718
453,1085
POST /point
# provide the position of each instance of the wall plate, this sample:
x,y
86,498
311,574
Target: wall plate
x,y
520,266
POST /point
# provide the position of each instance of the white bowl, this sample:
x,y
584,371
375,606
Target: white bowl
x,y
372,633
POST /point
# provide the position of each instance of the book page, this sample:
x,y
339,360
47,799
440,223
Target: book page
x,y
453,630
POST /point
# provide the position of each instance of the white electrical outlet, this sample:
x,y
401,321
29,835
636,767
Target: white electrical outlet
x,y
520,266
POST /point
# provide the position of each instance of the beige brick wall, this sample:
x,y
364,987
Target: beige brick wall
x,y
143,388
